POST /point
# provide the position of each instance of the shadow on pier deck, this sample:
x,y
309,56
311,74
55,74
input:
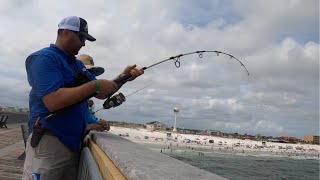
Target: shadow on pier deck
x,y
11,147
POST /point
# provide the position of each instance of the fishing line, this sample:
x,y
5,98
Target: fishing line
x,y
118,99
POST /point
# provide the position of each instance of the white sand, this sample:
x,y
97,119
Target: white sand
x,y
200,143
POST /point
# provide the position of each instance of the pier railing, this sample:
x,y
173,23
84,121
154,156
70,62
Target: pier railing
x,y
118,158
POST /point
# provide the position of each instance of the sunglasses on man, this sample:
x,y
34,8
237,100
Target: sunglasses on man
x,y
81,37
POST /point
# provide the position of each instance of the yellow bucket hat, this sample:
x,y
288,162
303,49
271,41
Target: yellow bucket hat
x,y
89,64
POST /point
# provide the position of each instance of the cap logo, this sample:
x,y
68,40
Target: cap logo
x,y
86,27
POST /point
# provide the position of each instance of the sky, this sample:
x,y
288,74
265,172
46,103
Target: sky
x,y
277,41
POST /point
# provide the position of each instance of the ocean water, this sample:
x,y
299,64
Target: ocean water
x,y
239,166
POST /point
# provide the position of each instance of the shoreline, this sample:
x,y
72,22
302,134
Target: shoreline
x,y
188,143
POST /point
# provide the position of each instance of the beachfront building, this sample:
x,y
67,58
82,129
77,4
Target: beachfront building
x,y
11,109
14,109
23,109
308,138
155,125
212,132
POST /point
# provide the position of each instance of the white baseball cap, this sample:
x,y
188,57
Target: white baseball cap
x,y
78,24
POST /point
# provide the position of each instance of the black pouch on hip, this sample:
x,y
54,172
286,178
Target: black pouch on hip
x,y
37,134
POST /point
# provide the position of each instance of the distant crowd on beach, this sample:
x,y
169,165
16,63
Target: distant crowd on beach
x,y
200,144
234,150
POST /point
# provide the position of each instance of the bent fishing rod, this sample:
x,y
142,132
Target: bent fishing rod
x,y
116,100
122,80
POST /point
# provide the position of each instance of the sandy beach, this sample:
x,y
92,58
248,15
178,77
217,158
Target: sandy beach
x,y
200,144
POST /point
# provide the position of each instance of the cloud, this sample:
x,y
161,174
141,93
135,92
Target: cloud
x,y
277,41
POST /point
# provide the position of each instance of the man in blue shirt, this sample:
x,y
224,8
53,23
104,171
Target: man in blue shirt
x,y
56,79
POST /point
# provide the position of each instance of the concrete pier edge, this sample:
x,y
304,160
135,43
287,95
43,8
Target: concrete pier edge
x,y
135,161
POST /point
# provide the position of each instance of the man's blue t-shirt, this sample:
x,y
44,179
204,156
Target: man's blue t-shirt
x,y
48,70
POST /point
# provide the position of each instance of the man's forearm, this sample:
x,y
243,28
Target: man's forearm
x,y
118,77
65,97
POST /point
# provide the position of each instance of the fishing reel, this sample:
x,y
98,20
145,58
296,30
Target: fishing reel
x,y
114,101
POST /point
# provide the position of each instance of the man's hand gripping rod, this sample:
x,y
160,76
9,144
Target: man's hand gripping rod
x,y
117,100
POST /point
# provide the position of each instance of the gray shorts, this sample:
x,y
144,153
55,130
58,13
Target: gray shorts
x,y
50,160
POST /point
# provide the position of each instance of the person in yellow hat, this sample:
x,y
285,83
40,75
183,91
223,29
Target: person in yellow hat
x,y
92,122
89,64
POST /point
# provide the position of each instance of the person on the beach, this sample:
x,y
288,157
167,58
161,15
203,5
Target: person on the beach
x,y
60,86
92,122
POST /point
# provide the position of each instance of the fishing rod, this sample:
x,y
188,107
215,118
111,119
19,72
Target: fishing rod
x,y
176,59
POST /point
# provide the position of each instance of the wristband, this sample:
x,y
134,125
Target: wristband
x,y
98,86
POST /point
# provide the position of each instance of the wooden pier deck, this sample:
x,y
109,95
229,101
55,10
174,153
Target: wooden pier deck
x,y
11,147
